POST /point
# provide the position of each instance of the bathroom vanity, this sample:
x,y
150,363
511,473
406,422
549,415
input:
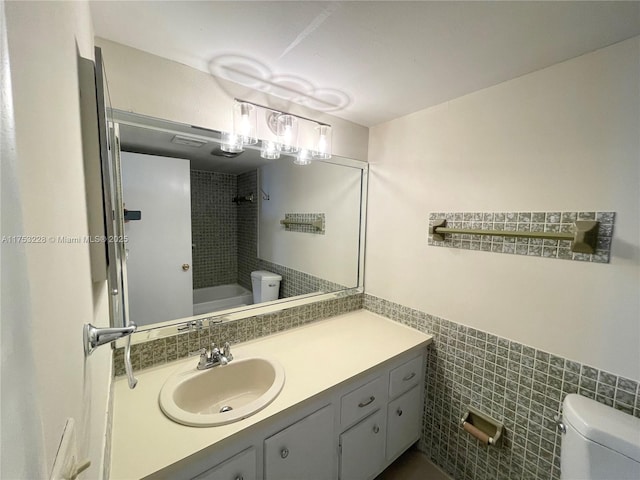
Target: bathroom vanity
x,y
351,403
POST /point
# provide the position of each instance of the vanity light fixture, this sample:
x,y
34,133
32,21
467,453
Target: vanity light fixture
x,y
284,127
245,122
287,130
323,145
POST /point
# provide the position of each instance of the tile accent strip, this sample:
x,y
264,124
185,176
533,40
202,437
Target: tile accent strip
x,y
517,384
305,217
526,222
167,349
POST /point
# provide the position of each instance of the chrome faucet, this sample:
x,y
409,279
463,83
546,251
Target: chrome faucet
x,y
213,357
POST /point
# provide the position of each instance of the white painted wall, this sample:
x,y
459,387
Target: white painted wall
x,y
317,188
150,85
47,376
562,138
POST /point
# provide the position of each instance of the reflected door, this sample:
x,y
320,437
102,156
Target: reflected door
x,y
159,243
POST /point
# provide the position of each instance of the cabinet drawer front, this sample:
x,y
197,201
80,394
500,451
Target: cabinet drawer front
x,y
303,450
404,422
363,401
239,467
362,448
405,376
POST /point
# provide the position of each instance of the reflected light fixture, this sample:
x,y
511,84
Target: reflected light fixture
x,y
270,150
230,142
303,157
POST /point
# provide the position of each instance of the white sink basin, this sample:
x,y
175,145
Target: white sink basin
x,y
222,394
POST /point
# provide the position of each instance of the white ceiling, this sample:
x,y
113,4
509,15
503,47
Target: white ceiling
x,y
367,62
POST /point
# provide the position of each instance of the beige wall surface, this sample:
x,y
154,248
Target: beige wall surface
x,y
565,138
317,188
150,85
53,379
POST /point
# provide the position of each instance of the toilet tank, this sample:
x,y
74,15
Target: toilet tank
x,y
600,443
265,286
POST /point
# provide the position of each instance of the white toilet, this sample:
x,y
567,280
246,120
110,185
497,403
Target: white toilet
x,y
599,442
265,286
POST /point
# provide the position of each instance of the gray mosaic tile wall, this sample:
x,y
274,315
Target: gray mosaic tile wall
x,y
163,350
514,383
525,222
213,229
247,228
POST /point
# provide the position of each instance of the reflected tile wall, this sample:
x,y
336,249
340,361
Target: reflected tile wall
x,y
294,282
213,228
517,384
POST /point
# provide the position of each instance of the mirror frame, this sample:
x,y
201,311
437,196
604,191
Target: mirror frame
x,y
170,327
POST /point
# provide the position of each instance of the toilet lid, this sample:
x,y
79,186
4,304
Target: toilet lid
x,y
604,425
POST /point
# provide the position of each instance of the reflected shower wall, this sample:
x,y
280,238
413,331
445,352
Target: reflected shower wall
x,y
214,229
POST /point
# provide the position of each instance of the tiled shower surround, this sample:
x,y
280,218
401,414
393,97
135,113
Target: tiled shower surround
x,y
525,222
514,383
213,229
224,235
163,350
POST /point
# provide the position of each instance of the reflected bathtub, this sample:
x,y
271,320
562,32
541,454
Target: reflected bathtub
x,y
222,297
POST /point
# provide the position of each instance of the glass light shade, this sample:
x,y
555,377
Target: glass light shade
x,y
270,150
245,122
323,143
287,127
303,157
230,142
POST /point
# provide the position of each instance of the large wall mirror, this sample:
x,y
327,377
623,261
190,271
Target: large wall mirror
x,y
212,234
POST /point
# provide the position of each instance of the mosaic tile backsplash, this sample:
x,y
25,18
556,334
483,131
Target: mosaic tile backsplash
x,y
517,384
163,350
213,229
525,222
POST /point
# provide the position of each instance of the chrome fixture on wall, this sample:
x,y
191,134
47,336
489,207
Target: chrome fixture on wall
x,y
283,128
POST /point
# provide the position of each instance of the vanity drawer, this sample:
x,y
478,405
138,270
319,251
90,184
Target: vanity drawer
x,y
362,401
405,376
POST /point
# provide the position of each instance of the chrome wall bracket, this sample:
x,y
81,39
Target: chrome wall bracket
x,y
94,337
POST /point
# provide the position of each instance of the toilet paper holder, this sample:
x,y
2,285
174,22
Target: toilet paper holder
x,y
485,428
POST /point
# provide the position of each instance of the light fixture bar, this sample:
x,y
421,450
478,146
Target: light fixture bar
x,y
280,111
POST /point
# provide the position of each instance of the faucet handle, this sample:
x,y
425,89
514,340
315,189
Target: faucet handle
x,y
203,357
226,351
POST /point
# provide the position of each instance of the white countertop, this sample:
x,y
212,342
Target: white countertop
x,y
315,357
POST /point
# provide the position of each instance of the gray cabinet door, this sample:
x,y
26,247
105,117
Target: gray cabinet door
x,y
362,448
404,422
304,450
239,467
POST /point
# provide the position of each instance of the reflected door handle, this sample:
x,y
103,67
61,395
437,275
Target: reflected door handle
x,y
185,266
